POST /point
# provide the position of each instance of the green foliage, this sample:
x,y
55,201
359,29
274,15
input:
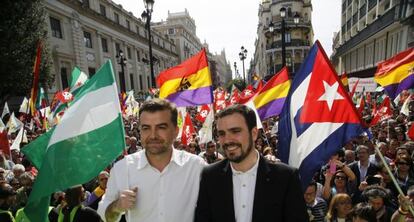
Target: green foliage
x,y
238,82
22,24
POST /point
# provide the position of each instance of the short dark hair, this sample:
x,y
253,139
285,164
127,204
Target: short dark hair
x,y
156,104
313,184
364,211
245,111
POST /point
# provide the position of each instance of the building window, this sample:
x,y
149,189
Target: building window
x,y
85,3
148,82
129,53
137,28
138,56
171,31
128,25
56,28
140,82
131,79
64,77
87,38
102,10
117,48
116,17
91,71
288,38
104,45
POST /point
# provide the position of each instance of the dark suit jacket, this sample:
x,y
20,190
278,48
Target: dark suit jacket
x,y
372,170
278,195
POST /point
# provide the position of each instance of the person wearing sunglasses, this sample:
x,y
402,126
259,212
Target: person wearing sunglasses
x,y
402,174
334,184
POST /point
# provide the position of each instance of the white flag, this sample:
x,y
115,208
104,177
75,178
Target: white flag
x,y
13,124
404,108
5,110
24,106
18,140
206,132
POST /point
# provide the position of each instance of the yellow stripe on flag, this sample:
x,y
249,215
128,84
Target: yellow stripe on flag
x,y
396,76
197,80
277,92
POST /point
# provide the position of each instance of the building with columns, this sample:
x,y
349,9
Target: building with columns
x,y
372,31
181,27
87,33
267,58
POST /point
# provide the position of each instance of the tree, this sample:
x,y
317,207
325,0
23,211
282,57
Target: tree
x,y
239,83
22,25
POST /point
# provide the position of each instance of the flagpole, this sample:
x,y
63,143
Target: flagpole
x,y
392,177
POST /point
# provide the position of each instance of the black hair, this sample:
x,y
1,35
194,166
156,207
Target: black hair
x,y
245,111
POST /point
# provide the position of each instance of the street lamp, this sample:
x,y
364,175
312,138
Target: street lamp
x,y
296,18
243,55
146,18
122,62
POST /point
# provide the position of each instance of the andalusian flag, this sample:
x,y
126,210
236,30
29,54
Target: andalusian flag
x,y
269,101
396,73
89,137
188,84
78,78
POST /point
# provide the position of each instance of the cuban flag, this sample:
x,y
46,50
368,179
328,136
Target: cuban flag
x,y
318,117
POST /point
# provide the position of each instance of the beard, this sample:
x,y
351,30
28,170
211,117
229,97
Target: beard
x,y
155,146
243,153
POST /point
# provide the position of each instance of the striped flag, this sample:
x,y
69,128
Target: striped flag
x,y
396,73
188,84
269,101
88,138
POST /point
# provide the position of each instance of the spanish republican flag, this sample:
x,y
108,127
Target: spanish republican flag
x,y
188,84
269,101
396,73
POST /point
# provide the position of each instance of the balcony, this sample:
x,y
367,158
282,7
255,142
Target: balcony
x,y
292,43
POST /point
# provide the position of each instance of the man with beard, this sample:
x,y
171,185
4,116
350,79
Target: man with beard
x,y
158,183
245,186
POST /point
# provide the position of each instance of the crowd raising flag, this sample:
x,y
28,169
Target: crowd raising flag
x,y
269,101
396,73
318,117
36,73
188,84
88,138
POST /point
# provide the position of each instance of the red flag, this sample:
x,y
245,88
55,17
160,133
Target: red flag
x,y
64,96
384,112
247,94
35,86
219,99
410,132
188,131
354,89
4,143
205,109
361,105
235,97
259,86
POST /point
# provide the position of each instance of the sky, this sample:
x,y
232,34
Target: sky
x,y
230,24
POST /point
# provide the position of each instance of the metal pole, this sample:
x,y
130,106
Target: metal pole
x,y
244,75
283,44
150,50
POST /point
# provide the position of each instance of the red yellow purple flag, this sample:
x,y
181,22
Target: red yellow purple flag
x,y
397,73
344,80
269,101
35,86
189,83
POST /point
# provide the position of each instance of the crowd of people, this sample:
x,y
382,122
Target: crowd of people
x,y
235,177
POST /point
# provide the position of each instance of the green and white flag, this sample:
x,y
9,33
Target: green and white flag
x,y
78,79
89,137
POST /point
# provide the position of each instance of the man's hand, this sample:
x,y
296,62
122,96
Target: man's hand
x,y
126,201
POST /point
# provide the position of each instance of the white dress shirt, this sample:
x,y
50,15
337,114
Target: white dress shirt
x,y
244,184
170,195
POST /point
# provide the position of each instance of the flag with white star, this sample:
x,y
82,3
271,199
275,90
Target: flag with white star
x,y
318,116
